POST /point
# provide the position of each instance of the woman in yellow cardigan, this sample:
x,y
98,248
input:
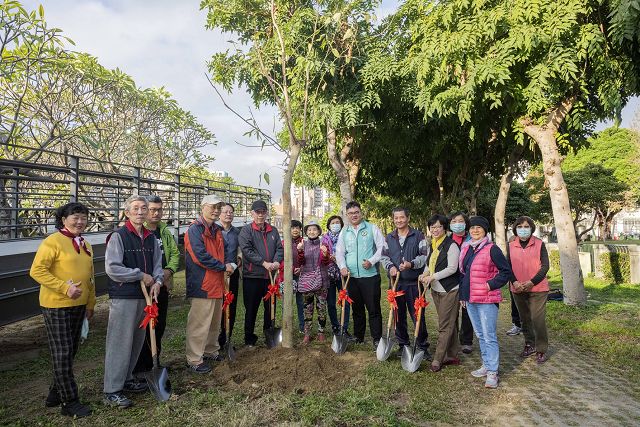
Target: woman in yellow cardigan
x,y
63,266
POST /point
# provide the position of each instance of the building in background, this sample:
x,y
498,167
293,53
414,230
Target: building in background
x,y
306,204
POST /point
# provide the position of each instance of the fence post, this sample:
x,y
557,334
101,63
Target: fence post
x,y
136,178
74,166
15,212
176,205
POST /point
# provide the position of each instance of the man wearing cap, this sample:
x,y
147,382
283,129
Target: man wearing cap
x,y
207,260
262,252
358,252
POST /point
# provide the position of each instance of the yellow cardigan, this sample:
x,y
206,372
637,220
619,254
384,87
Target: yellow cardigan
x,y
55,263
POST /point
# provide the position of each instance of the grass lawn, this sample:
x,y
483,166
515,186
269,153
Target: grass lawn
x,y
312,385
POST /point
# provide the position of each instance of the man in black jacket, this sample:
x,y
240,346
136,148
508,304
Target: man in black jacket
x,y
404,253
262,252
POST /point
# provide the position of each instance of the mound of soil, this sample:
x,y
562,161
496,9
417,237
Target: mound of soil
x,y
299,370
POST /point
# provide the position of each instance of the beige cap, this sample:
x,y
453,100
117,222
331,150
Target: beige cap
x,y
211,200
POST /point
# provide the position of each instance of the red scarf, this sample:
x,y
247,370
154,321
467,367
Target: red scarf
x,y
73,238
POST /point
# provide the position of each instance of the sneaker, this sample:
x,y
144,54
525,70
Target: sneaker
x,y
480,372
515,330
53,398
117,399
541,358
375,345
527,351
427,355
75,409
136,386
202,368
492,380
467,349
320,337
306,340
217,358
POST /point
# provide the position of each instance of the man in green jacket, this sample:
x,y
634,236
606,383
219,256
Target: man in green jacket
x,y
170,264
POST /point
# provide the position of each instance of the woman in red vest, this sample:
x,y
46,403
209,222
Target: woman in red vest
x,y
530,262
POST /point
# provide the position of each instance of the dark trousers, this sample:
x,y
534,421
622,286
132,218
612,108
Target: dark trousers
x,y
234,284
64,326
253,290
365,292
334,315
145,361
300,306
406,303
533,307
466,328
515,315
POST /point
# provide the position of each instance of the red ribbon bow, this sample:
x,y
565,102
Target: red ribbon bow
x,y
228,299
420,303
391,297
152,314
273,290
344,296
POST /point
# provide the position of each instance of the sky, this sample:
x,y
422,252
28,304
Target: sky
x,y
165,43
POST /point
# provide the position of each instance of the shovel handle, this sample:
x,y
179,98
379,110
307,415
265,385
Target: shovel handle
x,y
152,327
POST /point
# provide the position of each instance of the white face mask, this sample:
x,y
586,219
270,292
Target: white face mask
x,y
335,228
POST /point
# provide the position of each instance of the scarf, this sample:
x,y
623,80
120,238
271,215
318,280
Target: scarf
x,y
435,251
77,241
475,243
330,240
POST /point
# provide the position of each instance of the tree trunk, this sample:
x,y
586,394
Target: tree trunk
x,y
545,137
346,191
287,318
503,195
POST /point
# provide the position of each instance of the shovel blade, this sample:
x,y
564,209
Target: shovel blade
x,y
411,361
231,353
159,384
385,346
273,337
339,344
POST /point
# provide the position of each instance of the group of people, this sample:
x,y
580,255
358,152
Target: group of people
x,y
462,269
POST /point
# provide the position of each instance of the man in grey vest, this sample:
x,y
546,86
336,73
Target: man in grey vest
x,y
358,252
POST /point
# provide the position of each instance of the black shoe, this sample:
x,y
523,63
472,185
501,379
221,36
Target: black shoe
x,y
375,345
217,358
117,399
75,409
336,330
399,352
136,386
202,368
351,338
53,398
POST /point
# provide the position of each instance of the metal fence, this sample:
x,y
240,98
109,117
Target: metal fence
x,y
30,191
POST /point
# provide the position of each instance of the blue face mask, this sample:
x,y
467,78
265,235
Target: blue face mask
x,y
523,233
458,227
335,228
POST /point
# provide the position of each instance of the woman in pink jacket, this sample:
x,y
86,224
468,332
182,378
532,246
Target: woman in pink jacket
x,y
484,271
530,262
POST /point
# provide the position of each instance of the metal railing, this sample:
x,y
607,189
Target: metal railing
x,y
30,191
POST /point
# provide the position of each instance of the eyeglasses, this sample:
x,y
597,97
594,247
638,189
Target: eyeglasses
x,y
436,227
353,213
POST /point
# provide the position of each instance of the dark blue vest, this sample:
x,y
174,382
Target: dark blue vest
x,y
408,251
137,254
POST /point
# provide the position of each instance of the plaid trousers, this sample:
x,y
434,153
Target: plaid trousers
x,y
64,326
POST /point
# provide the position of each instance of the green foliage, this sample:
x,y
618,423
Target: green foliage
x,y
616,267
554,259
518,202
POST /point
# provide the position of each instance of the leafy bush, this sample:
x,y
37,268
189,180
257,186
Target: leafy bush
x,y
616,267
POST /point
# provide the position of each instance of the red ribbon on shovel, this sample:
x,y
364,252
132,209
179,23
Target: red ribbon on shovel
x,y
228,299
344,296
273,290
391,297
152,314
420,303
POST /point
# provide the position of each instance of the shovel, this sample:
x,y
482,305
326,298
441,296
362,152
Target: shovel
x,y
410,359
340,342
386,343
273,335
231,354
158,377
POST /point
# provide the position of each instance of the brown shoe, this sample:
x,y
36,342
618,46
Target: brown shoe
x,y
527,351
541,358
435,367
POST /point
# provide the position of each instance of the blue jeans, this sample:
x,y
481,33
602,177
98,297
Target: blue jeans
x,y
335,314
484,318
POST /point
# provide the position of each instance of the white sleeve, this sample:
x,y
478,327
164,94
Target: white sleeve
x,y
341,251
379,241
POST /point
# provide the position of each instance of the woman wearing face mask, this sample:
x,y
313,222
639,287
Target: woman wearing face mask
x,y
314,280
330,240
530,262
459,226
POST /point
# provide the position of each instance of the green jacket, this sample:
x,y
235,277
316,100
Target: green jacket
x,y
169,246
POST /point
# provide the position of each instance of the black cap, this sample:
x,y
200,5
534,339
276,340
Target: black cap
x,y
479,221
259,205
